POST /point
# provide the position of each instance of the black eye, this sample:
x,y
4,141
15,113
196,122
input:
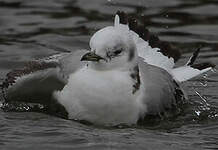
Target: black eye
x,y
117,52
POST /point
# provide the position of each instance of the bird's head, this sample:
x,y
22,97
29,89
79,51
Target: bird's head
x,y
112,48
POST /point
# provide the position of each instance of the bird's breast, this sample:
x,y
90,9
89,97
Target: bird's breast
x,y
103,97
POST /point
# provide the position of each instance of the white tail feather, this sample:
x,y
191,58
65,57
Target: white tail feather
x,y
185,73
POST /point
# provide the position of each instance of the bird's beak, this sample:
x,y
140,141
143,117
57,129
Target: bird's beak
x,y
91,56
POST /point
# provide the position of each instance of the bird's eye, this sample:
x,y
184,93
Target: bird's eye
x,y
117,52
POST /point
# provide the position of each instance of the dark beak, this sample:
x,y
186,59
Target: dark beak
x,y
91,56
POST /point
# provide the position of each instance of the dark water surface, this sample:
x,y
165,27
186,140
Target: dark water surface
x,y
33,29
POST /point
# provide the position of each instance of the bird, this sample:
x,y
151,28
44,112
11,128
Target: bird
x,y
127,74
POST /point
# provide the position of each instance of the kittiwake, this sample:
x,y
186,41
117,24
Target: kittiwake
x,y
127,74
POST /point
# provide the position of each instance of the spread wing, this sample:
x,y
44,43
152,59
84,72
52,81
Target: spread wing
x,y
155,52
36,82
150,47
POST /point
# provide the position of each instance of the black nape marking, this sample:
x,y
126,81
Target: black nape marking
x,y
165,48
202,66
131,54
135,76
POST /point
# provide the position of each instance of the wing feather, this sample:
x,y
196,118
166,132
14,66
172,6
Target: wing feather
x,y
150,47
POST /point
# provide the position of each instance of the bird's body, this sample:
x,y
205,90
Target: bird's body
x,y
103,97
123,79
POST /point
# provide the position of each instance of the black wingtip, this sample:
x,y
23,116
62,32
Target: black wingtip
x,y
194,57
204,65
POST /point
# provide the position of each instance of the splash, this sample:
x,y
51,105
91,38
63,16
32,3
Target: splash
x,y
214,70
197,112
204,81
21,107
203,99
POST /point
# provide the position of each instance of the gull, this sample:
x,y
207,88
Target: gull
x,y
126,75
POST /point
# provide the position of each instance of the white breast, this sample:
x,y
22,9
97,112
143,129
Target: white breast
x,y
100,97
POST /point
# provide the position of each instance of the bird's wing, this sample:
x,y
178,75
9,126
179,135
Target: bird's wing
x,y
161,54
36,82
190,69
149,47
159,89
33,83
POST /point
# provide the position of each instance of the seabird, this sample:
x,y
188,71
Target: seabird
x,y
128,74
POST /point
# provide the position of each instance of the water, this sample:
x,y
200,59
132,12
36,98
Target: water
x,y
36,29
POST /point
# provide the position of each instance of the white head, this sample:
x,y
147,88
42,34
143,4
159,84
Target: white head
x,y
112,48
